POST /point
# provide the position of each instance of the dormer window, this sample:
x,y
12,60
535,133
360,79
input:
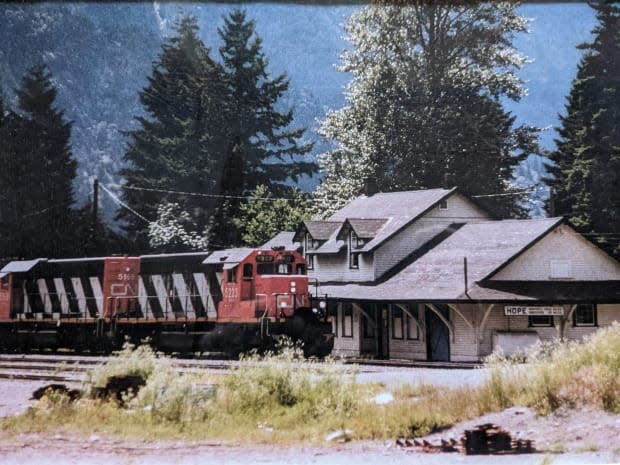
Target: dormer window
x,y
443,204
311,243
355,242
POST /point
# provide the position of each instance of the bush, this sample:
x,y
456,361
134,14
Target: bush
x,y
262,384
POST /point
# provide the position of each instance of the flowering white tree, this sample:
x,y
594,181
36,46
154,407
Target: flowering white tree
x,y
174,228
423,107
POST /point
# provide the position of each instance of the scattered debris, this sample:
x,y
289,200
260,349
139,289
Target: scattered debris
x,y
119,387
339,436
54,388
484,439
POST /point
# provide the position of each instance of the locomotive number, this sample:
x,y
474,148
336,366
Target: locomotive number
x,y
125,277
231,293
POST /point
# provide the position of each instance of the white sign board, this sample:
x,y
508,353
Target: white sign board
x,y
532,311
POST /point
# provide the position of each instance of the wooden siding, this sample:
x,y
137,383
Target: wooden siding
x,y
587,262
409,349
335,268
399,246
347,346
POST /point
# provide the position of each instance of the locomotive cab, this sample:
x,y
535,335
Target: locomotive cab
x,y
260,284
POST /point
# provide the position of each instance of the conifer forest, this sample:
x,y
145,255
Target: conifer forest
x,y
144,127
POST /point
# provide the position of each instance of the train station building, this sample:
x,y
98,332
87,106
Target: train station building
x,y
429,275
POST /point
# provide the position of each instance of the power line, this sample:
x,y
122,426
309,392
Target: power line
x,y
198,194
123,204
45,210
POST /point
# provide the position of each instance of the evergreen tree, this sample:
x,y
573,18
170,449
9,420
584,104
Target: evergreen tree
x,y
586,169
423,109
262,149
179,146
38,171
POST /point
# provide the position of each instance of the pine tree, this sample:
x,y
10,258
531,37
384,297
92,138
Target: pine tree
x,y
179,146
38,171
586,169
262,149
423,108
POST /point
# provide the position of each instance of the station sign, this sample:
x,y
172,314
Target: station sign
x,y
532,311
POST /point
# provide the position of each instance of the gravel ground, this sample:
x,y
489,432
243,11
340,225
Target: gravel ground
x,y
588,437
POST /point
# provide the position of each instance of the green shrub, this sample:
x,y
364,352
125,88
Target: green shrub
x,y
283,379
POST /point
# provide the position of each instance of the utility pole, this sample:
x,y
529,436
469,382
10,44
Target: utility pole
x,y
93,220
551,202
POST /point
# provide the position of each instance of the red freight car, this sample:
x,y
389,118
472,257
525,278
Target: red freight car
x,y
227,301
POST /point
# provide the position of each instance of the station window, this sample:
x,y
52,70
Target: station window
x,y
585,315
560,269
310,261
354,261
311,244
332,311
347,320
368,328
413,330
540,320
398,322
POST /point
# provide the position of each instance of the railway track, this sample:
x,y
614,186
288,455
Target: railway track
x,y
55,368
74,368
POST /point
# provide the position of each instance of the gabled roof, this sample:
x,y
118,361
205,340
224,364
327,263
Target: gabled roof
x,y
364,228
376,218
284,239
439,274
397,209
319,230
409,204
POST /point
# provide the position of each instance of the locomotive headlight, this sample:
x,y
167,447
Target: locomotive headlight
x,y
322,304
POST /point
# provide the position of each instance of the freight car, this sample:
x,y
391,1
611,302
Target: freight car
x,y
226,302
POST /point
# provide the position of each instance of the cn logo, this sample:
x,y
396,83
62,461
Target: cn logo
x,y
119,289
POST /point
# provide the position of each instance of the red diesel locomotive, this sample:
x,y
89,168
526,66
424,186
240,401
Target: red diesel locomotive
x,y
226,302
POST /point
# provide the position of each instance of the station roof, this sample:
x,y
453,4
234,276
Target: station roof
x,y
439,275
376,218
284,239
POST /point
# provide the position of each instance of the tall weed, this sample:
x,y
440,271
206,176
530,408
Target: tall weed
x,y
569,374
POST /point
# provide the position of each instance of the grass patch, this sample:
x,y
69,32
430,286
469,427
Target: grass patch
x,y
556,374
282,397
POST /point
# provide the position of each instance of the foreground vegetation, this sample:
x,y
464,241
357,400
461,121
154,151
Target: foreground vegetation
x,y
281,397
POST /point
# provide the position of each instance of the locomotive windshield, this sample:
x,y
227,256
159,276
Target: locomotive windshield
x,y
281,265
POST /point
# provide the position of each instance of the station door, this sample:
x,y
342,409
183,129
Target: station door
x,y
437,335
